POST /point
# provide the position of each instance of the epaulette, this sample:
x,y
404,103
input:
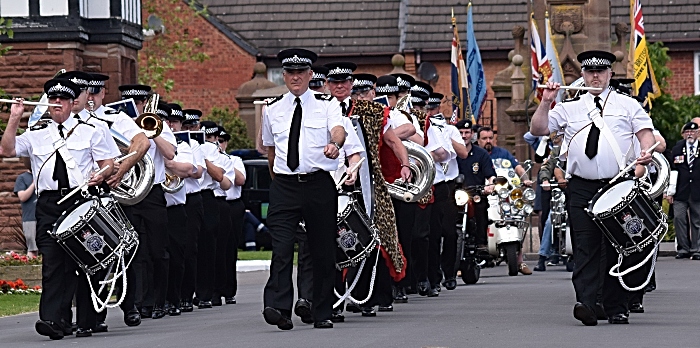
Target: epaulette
x,y
570,99
110,111
41,124
323,96
271,101
179,141
85,123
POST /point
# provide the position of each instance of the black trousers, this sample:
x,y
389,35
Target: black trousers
x,y
177,236
58,279
442,226
236,212
405,215
206,247
150,219
305,270
195,215
421,244
588,277
223,239
314,199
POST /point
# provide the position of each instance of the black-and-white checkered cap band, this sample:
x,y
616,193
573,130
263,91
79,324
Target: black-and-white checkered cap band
x,y
362,83
210,130
420,89
417,100
191,117
296,60
78,81
162,113
96,83
59,88
338,71
176,112
135,93
434,101
402,82
387,89
318,76
595,61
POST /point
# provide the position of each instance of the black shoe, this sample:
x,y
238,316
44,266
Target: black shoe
x,y
400,295
695,257
49,328
73,328
438,287
325,324
195,301
100,327
434,292
274,317
389,308
600,312
450,284
83,332
230,300
132,318
636,308
146,312
336,317
540,264
585,314
618,319
369,312
683,255
204,304
353,308
158,312
423,288
216,301
186,306
303,310
649,288
173,311
411,290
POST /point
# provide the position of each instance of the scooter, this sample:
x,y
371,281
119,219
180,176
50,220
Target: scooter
x,y
470,260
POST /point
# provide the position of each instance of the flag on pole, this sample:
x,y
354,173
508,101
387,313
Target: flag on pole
x,y
459,76
644,85
475,77
541,69
553,59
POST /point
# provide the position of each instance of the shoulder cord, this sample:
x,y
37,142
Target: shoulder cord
x,y
38,174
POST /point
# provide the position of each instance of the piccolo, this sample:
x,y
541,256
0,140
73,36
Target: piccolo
x,y
575,88
12,101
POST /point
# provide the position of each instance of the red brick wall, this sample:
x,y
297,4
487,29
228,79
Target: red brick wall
x,y
681,83
10,213
215,81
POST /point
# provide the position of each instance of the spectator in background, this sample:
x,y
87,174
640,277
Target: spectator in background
x,y
24,189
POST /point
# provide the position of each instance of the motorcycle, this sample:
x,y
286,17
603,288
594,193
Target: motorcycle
x,y
560,227
470,260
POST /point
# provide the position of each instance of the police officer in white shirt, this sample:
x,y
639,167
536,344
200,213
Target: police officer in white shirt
x,y
303,132
62,153
233,210
591,163
213,179
193,208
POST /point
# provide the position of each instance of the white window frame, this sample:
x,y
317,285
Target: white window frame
x,y
696,70
275,75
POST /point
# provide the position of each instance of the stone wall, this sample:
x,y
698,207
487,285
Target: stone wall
x,y
10,213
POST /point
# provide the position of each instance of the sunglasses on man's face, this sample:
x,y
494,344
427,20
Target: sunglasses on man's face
x,y
221,141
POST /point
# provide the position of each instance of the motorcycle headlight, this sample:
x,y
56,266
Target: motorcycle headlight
x,y
516,194
503,193
501,181
476,199
461,197
556,194
518,203
527,209
529,194
505,206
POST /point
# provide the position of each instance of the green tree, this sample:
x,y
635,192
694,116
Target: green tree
x,y
669,114
170,44
234,126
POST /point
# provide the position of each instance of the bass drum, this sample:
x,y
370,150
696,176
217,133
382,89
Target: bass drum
x,y
356,235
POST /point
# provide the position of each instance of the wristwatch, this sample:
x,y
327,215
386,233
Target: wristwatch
x,y
336,145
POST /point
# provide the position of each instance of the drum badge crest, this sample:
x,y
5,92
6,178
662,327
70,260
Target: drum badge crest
x,y
633,225
94,243
475,167
347,239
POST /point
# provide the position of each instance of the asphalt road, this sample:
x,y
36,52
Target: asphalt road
x,y
498,311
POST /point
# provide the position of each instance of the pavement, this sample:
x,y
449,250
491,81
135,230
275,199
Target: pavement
x,y
498,311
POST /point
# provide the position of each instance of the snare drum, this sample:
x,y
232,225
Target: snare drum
x,y
94,235
356,235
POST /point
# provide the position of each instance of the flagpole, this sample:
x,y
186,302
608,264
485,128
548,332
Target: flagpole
x,y
455,32
469,97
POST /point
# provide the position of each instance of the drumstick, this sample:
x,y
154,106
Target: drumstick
x,y
75,190
551,185
12,101
631,165
575,88
352,170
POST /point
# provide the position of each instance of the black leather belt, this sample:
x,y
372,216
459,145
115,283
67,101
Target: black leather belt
x,y
301,177
60,192
193,193
592,181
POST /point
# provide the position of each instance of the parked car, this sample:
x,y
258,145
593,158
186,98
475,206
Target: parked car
x,y
256,195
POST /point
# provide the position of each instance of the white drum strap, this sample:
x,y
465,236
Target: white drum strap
x,y
597,119
615,270
97,302
59,144
341,299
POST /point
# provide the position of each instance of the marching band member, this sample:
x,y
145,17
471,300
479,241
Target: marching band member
x,y
194,210
318,81
212,180
590,166
299,164
57,169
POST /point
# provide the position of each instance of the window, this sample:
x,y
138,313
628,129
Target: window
x,y
275,75
697,73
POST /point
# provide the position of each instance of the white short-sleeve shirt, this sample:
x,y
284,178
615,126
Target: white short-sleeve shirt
x,y
184,155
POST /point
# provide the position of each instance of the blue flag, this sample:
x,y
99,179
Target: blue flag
x,y
476,79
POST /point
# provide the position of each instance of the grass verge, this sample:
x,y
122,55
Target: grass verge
x,y
18,303
259,255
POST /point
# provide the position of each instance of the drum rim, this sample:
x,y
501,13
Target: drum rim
x,y
617,207
82,220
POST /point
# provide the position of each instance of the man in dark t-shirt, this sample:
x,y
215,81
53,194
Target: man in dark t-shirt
x,y
24,189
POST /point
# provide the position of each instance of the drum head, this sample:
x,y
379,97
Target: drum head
x,y
74,217
612,197
343,202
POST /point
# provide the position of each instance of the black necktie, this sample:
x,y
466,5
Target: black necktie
x,y
293,145
594,134
344,108
60,173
